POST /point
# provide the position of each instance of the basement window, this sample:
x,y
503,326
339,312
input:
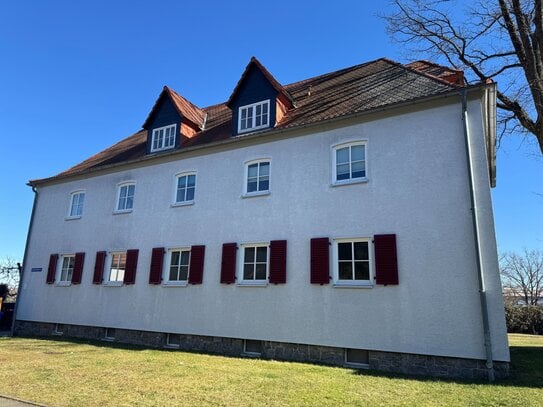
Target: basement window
x,y
173,340
109,334
252,347
59,329
357,357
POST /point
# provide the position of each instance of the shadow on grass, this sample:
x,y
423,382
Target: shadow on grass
x,y
526,368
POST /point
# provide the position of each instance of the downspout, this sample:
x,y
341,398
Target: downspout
x,y
25,255
474,217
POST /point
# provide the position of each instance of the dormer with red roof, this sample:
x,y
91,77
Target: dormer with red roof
x,y
258,101
172,121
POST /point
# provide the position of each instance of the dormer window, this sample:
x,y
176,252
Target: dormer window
x,y
163,138
253,117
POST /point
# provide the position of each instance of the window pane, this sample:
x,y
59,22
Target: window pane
x,y
358,168
182,182
131,190
342,155
258,110
343,171
243,114
264,169
190,194
251,186
362,270
249,255
175,258
264,185
129,203
345,251
361,251
248,272
191,180
345,270
258,120
261,254
123,192
173,273
264,108
185,258
180,195
260,272
357,153
81,197
183,273
252,171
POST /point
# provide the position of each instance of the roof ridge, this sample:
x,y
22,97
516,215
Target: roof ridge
x,y
183,97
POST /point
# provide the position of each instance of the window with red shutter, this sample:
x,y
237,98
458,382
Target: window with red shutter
x,y
278,262
228,264
78,268
196,269
386,261
131,266
52,269
99,268
157,260
320,260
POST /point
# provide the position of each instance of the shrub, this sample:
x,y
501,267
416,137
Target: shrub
x,y
524,319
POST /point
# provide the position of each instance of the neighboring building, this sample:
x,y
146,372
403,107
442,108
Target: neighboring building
x,y
329,220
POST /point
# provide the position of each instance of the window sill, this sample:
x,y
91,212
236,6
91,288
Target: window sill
x,y
252,283
175,284
352,285
112,284
108,339
122,211
349,182
186,203
63,284
168,346
158,150
253,194
72,217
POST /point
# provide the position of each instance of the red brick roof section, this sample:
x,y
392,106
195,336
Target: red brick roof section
x,y
184,107
287,99
361,88
453,76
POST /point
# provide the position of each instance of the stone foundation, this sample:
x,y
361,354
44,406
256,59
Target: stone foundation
x,y
445,367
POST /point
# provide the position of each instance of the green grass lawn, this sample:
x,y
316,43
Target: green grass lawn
x,y
72,373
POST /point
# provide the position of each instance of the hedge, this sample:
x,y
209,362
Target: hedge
x,y
524,319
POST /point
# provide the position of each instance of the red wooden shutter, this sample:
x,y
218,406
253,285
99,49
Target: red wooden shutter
x,y
78,268
52,269
196,268
228,264
386,262
278,261
131,266
157,260
99,268
320,261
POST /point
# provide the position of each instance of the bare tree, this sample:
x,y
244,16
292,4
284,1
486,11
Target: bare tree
x,y
9,275
522,275
499,40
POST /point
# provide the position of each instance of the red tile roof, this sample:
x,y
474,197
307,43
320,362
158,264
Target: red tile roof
x,y
352,90
453,76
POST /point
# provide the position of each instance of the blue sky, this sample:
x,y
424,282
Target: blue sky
x,y
76,77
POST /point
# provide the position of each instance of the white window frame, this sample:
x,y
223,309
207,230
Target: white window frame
x,y
58,330
175,202
247,194
109,265
74,194
163,145
170,344
120,186
335,148
253,106
60,268
108,332
253,283
166,270
335,261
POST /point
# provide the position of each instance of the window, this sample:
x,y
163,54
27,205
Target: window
x,y
59,329
117,267
173,340
258,177
67,268
125,199
253,117
255,264
352,262
349,162
252,347
76,204
185,185
109,334
163,138
357,357
178,266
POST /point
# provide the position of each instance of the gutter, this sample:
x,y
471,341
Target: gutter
x,y
264,133
25,256
475,220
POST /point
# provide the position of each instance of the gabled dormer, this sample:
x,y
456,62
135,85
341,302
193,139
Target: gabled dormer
x,y
258,101
172,120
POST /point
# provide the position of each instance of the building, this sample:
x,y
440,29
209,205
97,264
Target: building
x,y
329,220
